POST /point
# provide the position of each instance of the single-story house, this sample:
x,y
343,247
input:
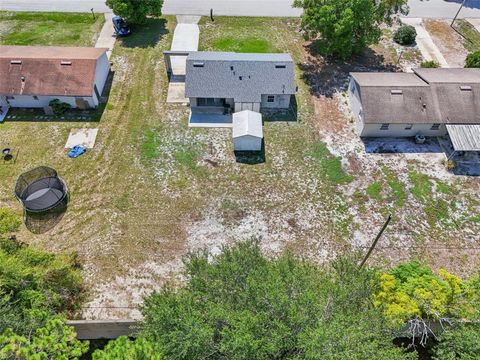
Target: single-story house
x,y
220,83
247,131
428,102
32,76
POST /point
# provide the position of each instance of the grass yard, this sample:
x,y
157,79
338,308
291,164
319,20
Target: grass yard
x,y
470,34
152,188
24,28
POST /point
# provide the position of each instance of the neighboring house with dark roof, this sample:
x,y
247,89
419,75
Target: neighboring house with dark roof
x,y
225,82
420,103
31,76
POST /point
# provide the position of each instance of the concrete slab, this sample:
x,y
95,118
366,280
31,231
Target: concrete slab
x,y
185,38
176,93
107,37
84,137
425,43
210,121
188,19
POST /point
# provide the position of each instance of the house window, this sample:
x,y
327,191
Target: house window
x,y
210,102
384,126
35,97
435,127
270,98
408,127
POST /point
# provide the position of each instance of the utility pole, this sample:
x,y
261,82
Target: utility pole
x,y
458,12
375,241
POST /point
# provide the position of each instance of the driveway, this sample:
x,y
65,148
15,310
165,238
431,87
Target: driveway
x,y
107,38
185,38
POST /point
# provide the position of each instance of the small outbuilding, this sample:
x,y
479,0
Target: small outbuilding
x,y
247,131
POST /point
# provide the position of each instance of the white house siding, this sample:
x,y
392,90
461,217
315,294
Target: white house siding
x,y
253,106
280,101
356,104
398,130
28,101
247,143
101,72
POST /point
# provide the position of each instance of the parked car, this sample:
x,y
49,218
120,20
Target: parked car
x,y
120,26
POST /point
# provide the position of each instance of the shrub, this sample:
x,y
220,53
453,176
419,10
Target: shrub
x,y
125,349
431,64
9,222
473,60
59,107
405,35
243,305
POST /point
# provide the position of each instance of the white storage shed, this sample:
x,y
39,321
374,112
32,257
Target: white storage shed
x,y
247,131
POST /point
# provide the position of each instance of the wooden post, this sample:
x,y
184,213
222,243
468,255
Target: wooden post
x,y
375,241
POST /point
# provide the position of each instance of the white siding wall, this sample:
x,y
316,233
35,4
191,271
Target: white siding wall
x,y
247,143
280,101
247,106
398,130
101,72
356,105
28,101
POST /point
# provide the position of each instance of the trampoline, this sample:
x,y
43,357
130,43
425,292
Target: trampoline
x,y
40,189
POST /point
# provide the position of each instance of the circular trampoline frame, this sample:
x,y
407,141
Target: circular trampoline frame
x,y
40,189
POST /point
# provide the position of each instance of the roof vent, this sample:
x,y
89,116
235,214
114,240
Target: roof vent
x,y
280,66
16,62
466,88
66,63
198,64
396,92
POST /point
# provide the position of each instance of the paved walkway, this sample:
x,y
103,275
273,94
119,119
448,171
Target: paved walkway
x,y
107,37
425,43
185,38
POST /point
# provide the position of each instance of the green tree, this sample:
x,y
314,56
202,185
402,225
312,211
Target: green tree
x,y
34,284
125,349
136,11
55,340
345,27
459,343
411,290
242,305
473,60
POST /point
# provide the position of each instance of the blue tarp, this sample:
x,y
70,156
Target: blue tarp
x,y
76,151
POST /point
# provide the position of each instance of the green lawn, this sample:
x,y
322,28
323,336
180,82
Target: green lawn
x,y
245,35
470,34
49,28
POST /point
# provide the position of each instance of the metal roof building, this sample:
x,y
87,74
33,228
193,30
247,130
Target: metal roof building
x,y
247,131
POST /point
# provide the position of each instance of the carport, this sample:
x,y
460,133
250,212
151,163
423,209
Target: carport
x,y
464,137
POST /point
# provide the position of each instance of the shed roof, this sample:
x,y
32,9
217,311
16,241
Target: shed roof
x,y
465,137
247,122
36,70
242,77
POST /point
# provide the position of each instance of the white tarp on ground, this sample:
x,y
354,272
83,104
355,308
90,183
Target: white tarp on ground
x,y
84,137
465,137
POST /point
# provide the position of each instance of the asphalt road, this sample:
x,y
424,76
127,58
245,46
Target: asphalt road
x,y
418,8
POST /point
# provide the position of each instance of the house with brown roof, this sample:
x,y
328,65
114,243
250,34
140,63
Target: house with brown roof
x,y
32,76
426,102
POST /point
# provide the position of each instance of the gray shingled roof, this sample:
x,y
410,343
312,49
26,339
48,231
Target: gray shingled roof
x,y
243,77
446,96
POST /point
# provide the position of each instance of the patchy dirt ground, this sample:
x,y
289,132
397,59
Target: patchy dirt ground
x,y
152,189
448,41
